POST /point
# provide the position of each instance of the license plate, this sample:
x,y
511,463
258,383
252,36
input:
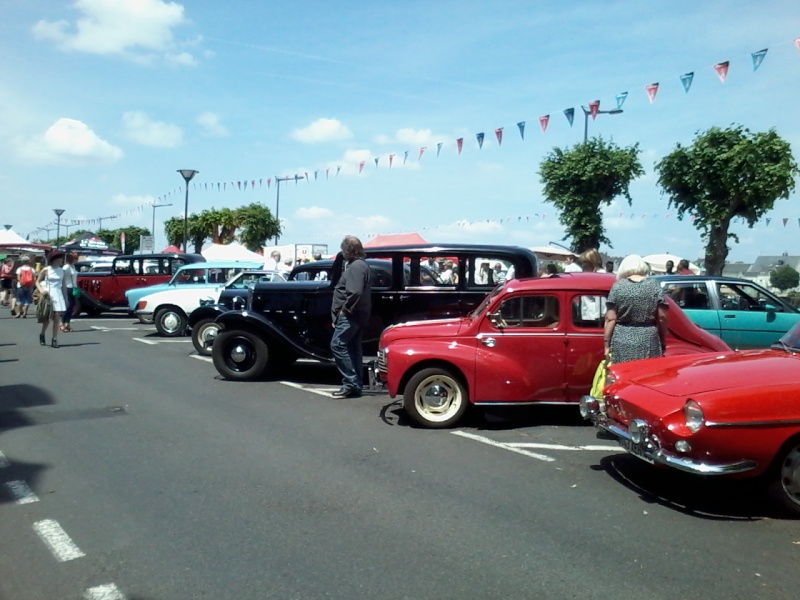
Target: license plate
x,y
632,448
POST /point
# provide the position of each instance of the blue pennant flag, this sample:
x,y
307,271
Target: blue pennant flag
x,y
521,126
758,58
479,137
439,148
621,99
686,80
570,114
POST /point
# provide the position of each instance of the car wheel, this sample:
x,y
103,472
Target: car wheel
x,y
435,398
239,355
93,312
170,322
203,335
784,484
145,320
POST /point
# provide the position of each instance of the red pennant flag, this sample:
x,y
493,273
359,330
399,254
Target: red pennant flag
x,y
360,167
253,184
421,152
543,121
594,107
391,160
327,172
269,179
651,90
459,144
797,44
499,134
722,70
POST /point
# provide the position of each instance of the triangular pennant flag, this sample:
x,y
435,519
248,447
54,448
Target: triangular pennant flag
x,y
797,44
305,173
217,186
621,97
798,222
499,135
570,114
722,70
439,148
224,186
315,174
594,107
405,156
421,152
327,172
338,168
479,137
252,184
543,121
391,160
269,181
360,167
377,158
521,126
768,220
459,144
245,185
785,221
651,90
758,58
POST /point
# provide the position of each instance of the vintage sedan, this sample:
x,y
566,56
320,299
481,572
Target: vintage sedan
x,y
531,341
726,413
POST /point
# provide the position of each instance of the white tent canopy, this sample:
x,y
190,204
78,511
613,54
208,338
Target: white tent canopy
x,y
232,251
551,252
658,263
11,239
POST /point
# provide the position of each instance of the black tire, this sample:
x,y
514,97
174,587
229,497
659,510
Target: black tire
x,y
783,484
435,398
203,334
240,355
170,321
92,311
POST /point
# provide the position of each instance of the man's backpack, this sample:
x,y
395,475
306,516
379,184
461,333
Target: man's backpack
x,y
26,277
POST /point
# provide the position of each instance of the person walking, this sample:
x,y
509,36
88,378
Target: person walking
x,y
72,291
572,266
636,320
6,275
50,282
26,280
350,311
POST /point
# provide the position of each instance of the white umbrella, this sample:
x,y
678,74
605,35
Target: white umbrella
x,y
232,252
658,263
551,252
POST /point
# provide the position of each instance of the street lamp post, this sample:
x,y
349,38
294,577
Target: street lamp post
x,y
153,232
48,230
587,112
187,175
59,212
294,178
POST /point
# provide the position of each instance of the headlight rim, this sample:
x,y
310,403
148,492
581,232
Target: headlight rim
x,y
695,421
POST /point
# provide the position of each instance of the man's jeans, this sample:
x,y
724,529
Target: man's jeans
x,y
346,348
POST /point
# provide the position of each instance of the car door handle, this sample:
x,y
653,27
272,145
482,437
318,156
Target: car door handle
x,y
386,297
730,316
489,342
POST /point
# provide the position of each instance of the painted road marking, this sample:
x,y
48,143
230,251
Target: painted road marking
x,y
156,342
21,492
103,328
60,544
203,358
4,461
538,446
144,341
484,440
104,592
326,391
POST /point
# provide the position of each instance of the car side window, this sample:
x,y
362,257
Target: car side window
x,y
529,312
690,295
736,296
487,272
380,278
123,267
589,311
150,266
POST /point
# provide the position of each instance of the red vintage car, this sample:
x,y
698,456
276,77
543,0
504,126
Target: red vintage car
x,y
531,341
728,413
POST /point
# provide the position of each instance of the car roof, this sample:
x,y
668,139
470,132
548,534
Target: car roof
x,y
700,278
565,281
222,264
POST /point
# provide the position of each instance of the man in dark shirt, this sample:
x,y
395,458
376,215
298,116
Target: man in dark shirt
x,y
350,311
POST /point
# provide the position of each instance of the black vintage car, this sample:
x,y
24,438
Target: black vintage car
x,y
286,321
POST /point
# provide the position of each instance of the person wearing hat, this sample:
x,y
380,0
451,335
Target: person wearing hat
x,y
50,282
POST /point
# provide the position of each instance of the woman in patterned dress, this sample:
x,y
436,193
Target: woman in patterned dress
x,y
50,281
636,317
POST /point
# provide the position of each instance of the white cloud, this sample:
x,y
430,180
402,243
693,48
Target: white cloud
x,y
373,221
140,128
322,130
122,27
183,59
126,200
210,122
313,212
414,137
69,140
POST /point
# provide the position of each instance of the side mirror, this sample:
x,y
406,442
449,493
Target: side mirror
x,y
239,303
496,320
770,307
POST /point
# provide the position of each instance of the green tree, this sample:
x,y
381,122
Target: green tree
x,y
198,234
581,179
257,225
784,278
726,173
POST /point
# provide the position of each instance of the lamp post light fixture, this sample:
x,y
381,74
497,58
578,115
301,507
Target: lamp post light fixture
x,y
587,112
187,175
278,180
153,232
59,212
48,230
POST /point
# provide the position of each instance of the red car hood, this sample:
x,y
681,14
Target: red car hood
x,y
423,329
696,374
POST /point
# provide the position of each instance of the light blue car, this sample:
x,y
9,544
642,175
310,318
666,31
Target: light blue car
x,y
210,275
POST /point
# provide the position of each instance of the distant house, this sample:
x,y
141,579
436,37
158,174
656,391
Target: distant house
x,y
759,270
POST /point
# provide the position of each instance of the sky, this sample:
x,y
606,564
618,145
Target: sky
x,y
102,101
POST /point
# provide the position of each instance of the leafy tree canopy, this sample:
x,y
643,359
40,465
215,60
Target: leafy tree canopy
x,y
254,223
784,278
726,173
578,181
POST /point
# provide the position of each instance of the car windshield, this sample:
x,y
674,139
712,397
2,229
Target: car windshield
x,y
790,339
486,301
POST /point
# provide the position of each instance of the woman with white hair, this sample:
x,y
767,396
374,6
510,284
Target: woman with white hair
x,y
636,317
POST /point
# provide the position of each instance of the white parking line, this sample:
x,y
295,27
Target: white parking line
x,y
484,440
103,328
203,358
538,446
104,592
4,461
326,391
156,342
144,341
21,492
60,544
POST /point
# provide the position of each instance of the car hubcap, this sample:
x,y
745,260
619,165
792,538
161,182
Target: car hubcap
x,y
239,354
790,475
170,322
438,398
208,334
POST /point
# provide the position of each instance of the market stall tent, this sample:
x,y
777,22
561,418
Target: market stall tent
x,y
232,251
10,240
383,240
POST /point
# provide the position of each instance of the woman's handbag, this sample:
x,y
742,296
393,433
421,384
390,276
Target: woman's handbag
x,y
599,381
44,308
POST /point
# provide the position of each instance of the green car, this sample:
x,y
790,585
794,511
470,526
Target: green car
x,y
742,313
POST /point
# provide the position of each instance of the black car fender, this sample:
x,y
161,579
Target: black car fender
x,y
211,311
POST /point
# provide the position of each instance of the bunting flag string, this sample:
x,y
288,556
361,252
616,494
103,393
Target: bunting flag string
x,y
499,134
621,97
758,58
460,144
651,90
479,137
360,167
594,107
570,114
421,152
391,160
521,126
439,148
722,70
797,43
377,158
405,156
543,121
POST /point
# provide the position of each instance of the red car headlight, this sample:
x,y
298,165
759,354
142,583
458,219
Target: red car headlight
x,y
693,415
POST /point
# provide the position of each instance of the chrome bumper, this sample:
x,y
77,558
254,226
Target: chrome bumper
x,y
649,451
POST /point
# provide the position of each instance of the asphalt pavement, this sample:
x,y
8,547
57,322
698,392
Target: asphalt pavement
x,y
129,470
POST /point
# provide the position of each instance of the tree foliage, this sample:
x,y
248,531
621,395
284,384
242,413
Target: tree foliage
x,y
784,278
112,237
726,173
578,181
253,225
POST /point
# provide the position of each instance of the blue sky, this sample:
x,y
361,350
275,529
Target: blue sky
x,y
102,100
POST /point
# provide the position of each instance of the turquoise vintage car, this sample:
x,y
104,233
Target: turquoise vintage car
x,y
741,312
